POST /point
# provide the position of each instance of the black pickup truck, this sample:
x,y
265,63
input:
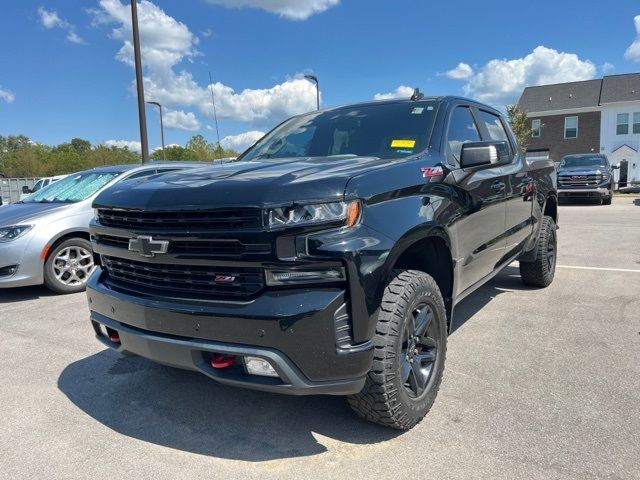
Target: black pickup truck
x,y
329,257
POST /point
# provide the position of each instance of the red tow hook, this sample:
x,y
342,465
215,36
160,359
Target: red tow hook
x,y
114,337
222,361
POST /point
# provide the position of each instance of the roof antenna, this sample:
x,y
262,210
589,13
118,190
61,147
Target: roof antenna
x,y
215,117
416,95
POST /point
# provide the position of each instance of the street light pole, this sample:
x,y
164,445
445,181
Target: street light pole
x,y
164,156
314,79
142,118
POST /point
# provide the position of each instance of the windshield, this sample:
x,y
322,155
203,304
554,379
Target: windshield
x,y
38,185
74,188
569,162
385,130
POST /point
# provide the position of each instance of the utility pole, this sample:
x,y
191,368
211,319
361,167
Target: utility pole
x,y
142,118
157,104
315,80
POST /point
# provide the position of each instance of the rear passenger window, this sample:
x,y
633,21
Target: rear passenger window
x,y
462,129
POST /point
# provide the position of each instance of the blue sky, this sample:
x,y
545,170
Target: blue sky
x,y
65,65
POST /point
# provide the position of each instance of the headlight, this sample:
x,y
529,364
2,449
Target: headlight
x,y
346,212
14,231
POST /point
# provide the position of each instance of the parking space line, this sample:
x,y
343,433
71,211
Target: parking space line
x,y
599,268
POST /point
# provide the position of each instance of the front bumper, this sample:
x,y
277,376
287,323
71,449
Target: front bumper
x,y
295,330
596,192
26,257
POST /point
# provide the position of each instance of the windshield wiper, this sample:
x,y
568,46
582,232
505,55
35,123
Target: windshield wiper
x,y
263,155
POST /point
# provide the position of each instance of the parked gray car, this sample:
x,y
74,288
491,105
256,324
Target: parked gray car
x,y
45,238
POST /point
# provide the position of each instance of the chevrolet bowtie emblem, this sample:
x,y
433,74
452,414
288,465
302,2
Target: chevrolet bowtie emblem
x,y
147,246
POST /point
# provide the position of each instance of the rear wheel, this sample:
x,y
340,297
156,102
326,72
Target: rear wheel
x,y
409,353
68,266
541,271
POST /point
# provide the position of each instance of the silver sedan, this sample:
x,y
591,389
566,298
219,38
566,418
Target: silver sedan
x,y
45,238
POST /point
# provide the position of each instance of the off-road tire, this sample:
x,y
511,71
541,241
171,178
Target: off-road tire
x,y
541,271
607,200
383,399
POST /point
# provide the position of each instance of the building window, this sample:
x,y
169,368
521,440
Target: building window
x,y
535,128
622,124
636,122
570,127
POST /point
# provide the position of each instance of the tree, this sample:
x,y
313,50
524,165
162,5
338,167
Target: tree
x,y
202,150
520,126
174,152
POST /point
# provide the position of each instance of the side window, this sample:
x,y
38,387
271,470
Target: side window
x,y
144,173
462,129
495,128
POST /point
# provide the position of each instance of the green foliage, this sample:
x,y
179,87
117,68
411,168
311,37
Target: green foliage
x,y
20,157
197,149
520,126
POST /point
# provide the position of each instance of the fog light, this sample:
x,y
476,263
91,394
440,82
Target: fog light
x,y
295,277
258,366
8,271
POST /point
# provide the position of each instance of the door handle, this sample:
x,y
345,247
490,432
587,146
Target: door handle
x,y
498,186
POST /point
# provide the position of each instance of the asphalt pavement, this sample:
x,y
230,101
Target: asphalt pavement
x,y
539,384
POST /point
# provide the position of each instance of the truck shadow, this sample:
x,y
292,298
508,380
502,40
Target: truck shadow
x,y
507,280
187,411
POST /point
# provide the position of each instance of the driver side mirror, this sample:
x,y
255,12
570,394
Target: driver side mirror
x,y
475,154
26,190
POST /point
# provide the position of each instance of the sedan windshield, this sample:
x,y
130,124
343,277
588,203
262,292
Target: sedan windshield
x,y
569,162
384,130
71,189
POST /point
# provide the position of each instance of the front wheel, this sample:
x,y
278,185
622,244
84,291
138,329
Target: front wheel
x,y
541,271
409,352
69,266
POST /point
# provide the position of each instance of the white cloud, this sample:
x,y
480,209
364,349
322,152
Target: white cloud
x,y
166,42
180,120
207,33
501,81
633,52
130,144
7,95
607,67
242,141
291,9
50,19
401,92
461,72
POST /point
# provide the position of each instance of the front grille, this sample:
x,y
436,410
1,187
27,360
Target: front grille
x,y
223,219
216,248
184,281
579,180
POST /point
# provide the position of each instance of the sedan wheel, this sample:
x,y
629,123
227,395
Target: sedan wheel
x,y
69,266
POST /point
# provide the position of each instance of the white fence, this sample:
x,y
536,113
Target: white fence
x,y
11,188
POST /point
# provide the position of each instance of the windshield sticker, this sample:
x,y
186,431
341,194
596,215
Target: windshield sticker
x,y
401,150
399,143
417,110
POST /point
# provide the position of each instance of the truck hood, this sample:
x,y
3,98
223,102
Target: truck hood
x,y
581,170
20,213
249,184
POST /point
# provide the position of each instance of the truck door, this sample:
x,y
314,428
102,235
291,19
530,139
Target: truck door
x,y
519,185
481,226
